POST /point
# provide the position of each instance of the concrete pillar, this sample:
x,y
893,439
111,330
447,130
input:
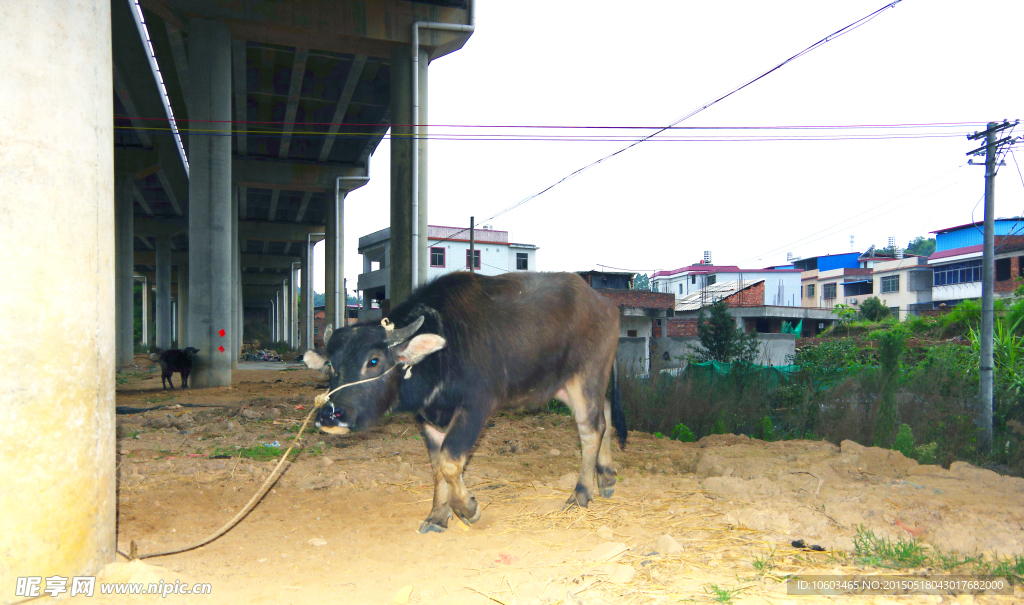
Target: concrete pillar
x,y
163,292
144,309
303,294
270,320
237,311
183,306
293,308
151,313
57,310
422,120
211,272
401,174
124,267
278,317
333,265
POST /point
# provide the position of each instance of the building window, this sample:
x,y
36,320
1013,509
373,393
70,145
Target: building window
x,y
522,261
810,290
476,259
1002,269
654,288
631,333
437,257
712,279
680,288
828,291
890,283
958,273
693,279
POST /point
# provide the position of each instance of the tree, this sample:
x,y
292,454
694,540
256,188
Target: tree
x,y
641,282
721,339
921,246
873,309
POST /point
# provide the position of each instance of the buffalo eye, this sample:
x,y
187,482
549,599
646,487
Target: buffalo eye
x,y
373,362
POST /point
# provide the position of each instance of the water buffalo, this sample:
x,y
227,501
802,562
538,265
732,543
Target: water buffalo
x,y
465,344
177,360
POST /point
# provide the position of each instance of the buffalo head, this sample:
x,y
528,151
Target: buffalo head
x,y
377,358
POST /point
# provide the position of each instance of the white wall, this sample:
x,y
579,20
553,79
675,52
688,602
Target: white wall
x,y
495,259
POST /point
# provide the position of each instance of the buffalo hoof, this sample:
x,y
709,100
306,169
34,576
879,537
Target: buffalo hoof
x,y
580,497
428,527
473,519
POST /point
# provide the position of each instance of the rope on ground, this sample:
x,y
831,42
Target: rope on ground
x,y
320,401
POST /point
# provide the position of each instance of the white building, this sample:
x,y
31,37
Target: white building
x,y
781,289
449,251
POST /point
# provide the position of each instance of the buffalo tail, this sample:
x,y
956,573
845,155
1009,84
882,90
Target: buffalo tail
x,y
618,415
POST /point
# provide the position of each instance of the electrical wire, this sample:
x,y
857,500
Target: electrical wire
x,y
834,35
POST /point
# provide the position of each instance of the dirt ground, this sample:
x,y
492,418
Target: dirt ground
x,y
688,522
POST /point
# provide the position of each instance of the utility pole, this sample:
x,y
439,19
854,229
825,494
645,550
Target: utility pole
x,y
472,247
986,363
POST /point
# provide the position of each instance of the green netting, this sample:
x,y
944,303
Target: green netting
x,y
788,328
709,371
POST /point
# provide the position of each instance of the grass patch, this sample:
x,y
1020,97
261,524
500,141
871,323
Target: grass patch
x,y
873,551
722,595
259,453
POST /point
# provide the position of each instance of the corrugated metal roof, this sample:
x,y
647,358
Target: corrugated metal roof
x,y
712,294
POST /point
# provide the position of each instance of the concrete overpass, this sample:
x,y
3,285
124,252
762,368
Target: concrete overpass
x,y
280,104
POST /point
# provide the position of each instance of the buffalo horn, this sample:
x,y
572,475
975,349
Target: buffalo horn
x,y
403,334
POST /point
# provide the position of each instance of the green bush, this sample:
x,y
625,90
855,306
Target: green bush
x,y
873,309
904,443
682,433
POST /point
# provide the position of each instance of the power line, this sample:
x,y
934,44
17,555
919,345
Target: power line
x,y
838,33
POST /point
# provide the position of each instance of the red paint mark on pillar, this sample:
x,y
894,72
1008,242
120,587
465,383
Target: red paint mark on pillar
x,y
222,333
221,349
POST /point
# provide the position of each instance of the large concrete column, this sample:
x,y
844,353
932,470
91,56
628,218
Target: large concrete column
x,y
333,265
293,306
151,312
57,307
183,306
303,294
288,317
146,319
401,174
237,312
211,272
124,268
278,317
163,292
422,120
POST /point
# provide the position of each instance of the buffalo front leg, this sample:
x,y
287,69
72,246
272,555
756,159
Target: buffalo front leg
x,y
462,433
441,511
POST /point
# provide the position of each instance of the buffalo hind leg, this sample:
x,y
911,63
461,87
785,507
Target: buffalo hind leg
x,y
441,511
605,469
591,425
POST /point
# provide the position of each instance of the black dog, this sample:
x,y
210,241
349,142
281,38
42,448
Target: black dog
x,y
177,360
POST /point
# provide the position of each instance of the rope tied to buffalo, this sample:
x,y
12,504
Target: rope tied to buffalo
x,y
319,402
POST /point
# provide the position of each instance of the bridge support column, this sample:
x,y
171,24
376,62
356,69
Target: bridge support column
x,y
163,292
211,271
124,268
183,306
237,310
57,397
401,174
304,295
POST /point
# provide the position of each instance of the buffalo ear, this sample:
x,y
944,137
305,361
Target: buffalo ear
x,y
419,347
328,332
315,361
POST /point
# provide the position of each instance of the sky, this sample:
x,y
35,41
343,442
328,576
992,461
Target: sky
x,y
660,204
